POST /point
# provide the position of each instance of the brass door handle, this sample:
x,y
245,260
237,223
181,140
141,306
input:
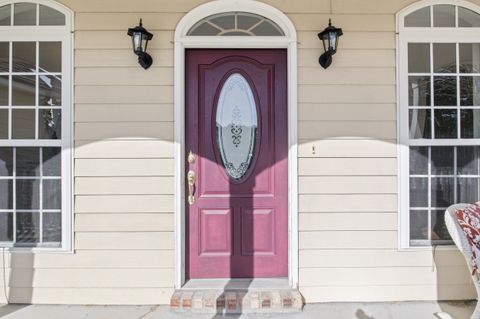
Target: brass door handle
x,y
191,179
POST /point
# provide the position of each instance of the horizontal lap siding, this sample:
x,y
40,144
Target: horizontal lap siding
x,y
348,192
124,166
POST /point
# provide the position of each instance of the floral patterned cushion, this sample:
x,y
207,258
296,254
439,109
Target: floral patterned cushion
x,y
469,220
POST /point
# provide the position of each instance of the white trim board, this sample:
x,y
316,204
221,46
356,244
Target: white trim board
x,y
183,42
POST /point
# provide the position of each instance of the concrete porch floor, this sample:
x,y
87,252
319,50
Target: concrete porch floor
x,y
399,310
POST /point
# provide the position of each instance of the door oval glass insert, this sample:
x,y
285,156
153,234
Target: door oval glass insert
x,y
237,126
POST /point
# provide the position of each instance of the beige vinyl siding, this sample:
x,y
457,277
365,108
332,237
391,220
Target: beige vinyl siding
x,y
124,165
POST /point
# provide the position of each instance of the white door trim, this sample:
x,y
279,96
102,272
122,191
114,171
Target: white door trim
x,y
182,42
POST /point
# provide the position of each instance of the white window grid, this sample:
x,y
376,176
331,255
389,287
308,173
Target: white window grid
x,y
37,74
430,35
14,178
431,209
51,33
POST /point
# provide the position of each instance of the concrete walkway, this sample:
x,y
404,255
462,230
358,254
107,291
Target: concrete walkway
x,y
401,310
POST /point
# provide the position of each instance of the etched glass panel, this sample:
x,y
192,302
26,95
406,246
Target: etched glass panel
x,y
237,126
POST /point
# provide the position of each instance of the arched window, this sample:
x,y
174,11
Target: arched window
x,y
439,116
236,24
35,124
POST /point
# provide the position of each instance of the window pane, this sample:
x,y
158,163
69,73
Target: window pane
x,y
419,90
52,161
418,192
442,160
24,57
23,90
204,29
52,227
6,194
245,21
6,227
28,161
419,18
470,123
445,90
442,192
28,227
445,123
418,160
266,29
23,126
50,124
4,56
469,57
6,161
52,194
439,230
225,22
50,56
418,224
444,58
4,90
50,88
467,18
420,124
3,123
468,160
470,90
419,58
49,16
5,15
444,16
467,189
28,193
25,14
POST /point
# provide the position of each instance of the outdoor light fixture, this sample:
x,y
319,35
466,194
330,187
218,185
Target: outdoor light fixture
x,y
329,37
140,37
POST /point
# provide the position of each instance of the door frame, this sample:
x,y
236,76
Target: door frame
x,y
183,42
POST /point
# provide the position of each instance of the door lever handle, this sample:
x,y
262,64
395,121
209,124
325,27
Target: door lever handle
x,y
191,179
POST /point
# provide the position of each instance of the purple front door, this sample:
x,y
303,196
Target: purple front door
x,y
237,171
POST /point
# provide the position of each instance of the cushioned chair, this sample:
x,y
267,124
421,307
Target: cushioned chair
x,y
461,242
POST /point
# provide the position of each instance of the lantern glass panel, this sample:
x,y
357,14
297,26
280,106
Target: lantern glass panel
x,y
137,42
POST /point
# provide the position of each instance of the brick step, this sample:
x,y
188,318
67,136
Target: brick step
x,y
236,301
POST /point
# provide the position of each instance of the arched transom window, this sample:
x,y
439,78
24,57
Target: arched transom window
x,y
35,124
235,24
439,111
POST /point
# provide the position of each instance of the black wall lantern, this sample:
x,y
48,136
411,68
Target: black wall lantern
x,y
140,37
329,37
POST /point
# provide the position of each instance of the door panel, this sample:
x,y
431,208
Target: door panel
x,y
236,129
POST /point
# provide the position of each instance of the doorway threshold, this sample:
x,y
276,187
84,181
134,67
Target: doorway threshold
x,y
237,296
238,283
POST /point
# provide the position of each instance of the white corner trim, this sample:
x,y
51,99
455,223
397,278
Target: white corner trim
x,y
182,42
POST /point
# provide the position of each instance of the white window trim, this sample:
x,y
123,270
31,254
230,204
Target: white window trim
x,y
182,42
407,35
63,33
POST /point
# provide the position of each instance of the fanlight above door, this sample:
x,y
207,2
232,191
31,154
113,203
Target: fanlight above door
x,y
237,126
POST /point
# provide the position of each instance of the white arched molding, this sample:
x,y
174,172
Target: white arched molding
x,y
182,42
430,34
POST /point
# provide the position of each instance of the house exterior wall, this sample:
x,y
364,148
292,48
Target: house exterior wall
x,y
124,165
